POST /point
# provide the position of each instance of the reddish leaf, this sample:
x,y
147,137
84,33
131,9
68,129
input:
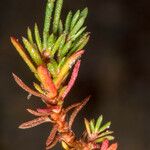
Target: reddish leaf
x,y
105,145
113,147
35,113
52,135
73,79
44,110
33,123
53,143
76,111
29,90
71,107
47,81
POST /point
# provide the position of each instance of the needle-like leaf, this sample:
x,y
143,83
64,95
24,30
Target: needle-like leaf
x,y
52,69
29,90
22,53
98,123
71,107
53,143
105,133
84,12
73,79
38,88
68,22
57,14
35,122
87,125
57,45
52,135
35,113
78,33
104,127
76,111
66,48
37,37
77,26
109,137
75,19
34,53
78,43
92,125
29,34
60,28
51,42
47,22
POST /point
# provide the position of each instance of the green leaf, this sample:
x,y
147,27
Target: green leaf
x,y
105,133
51,41
79,42
77,27
66,48
60,29
83,44
109,137
38,88
98,123
57,14
37,37
52,69
104,127
33,52
75,19
84,12
68,22
78,33
56,45
61,45
29,34
92,122
61,63
47,22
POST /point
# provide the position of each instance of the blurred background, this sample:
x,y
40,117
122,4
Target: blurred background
x,y
115,70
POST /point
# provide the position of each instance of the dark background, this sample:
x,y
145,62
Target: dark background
x,y
115,70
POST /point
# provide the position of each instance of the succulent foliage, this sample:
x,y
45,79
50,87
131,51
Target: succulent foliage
x,y
51,56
